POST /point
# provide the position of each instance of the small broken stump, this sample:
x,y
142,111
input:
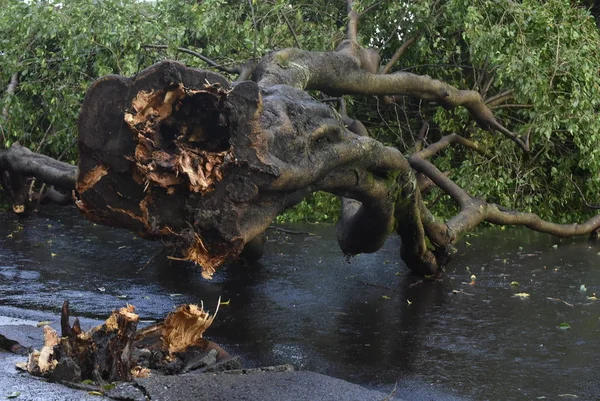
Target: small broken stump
x,y
116,351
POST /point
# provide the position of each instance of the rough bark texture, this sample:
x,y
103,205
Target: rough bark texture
x,y
20,167
178,154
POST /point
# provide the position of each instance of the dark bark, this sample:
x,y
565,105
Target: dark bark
x,y
19,167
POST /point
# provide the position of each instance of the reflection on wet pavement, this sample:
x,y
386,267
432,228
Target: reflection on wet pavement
x,y
368,321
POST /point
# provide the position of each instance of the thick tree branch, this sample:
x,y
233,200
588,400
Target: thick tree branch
x,y
10,91
497,215
352,29
338,73
18,160
475,211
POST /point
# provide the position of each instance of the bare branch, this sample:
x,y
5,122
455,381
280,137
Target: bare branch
x,y
398,54
589,205
512,106
422,136
474,211
255,28
291,28
497,215
419,162
371,7
499,98
210,62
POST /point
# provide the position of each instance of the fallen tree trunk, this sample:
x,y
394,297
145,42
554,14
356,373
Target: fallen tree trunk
x,y
178,154
204,165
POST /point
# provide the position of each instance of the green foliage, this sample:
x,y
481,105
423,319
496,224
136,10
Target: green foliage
x,y
57,52
318,207
547,52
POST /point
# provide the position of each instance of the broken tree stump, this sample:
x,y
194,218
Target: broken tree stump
x,y
116,351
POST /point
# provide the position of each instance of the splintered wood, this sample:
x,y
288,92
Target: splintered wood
x,y
44,361
184,327
179,150
105,353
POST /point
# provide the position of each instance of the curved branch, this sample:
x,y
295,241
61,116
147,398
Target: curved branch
x,y
371,7
341,74
499,98
589,205
474,211
210,62
497,215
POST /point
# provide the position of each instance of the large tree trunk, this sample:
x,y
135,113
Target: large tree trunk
x,y
178,154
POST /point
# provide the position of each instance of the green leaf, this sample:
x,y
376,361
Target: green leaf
x,y
564,326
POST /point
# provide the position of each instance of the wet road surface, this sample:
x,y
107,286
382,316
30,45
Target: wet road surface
x,y
368,321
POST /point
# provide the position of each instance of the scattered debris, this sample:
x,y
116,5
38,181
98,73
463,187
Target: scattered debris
x,y
559,300
462,292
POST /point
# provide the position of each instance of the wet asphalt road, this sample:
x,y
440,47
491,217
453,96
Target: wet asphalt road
x,y
368,321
